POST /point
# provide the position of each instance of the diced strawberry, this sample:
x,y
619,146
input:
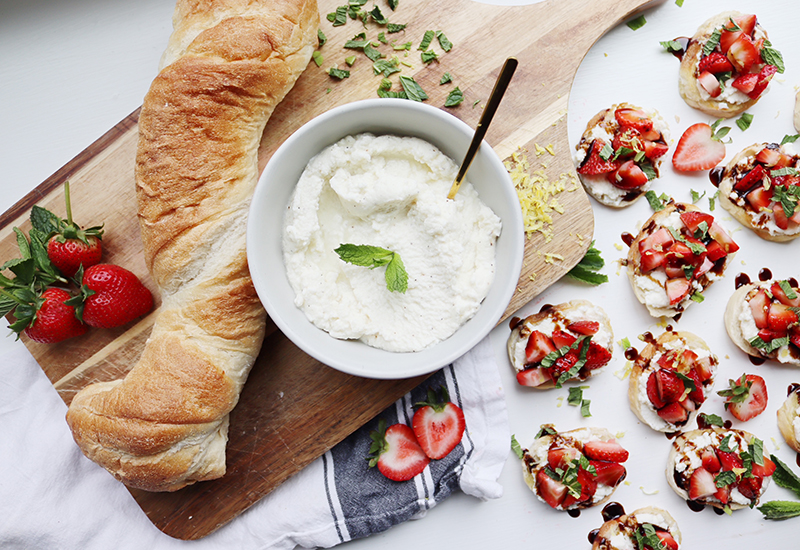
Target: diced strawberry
x,y
560,457
777,292
767,156
633,118
652,391
723,494
673,267
753,403
588,485
704,268
668,542
769,335
717,233
714,251
727,38
651,259
696,394
704,368
764,470
750,487
759,306
660,240
710,460
670,386
597,356
697,150
561,339
563,364
607,451
668,360
674,413
794,336
533,377
677,289
714,63
783,162
584,327
742,54
780,216
608,473
652,135
594,164
746,23
688,404
780,317
693,218
764,77
745,83
628,176
551,491
709,83
759,198
630,138
750,179
655,149
538,346
701,484
795,217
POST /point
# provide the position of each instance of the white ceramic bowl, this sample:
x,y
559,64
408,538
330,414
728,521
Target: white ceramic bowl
x,y
265,227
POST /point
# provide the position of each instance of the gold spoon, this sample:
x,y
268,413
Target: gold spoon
x,y
483,124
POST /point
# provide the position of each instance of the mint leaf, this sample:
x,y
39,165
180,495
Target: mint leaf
x,y
744,121
427,38
587,269
784,477
780,509
446,77
413,90
375,256
637,23
516,447
443,41
454,98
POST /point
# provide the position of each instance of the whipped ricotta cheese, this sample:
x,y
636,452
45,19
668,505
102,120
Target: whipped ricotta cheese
x,y
390,192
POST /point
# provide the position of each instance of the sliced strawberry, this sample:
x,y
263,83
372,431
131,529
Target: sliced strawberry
x,y
561,339
688,404
764,470
750,487
594,164
780,317
794,336
660,240
538,346
746,23
674,413
633,118
438,424
723,494
697,395
714,251
608,473
563,364
767,156
561,457
693,218
759,306
551,491
652,391
628,176
750,179
588,484
759,199
714,63
709,83
710,460
597,356
727,38
704,368
608,451
764,77
399,456
630,138
746,398
745,83
779,214
704,268
677,289
780,295
770,335
670,386
701,484
651,259
533,377
742,54
668,542
655,149
584,327
668,360
697,150
717,233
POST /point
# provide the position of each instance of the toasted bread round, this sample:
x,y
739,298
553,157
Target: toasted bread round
x,y
741,328
649,288
626,525
689,444
787,414
688,86
646,363
762,223
536,458
604,125
559,317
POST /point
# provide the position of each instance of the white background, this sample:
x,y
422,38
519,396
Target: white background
x,y
72,69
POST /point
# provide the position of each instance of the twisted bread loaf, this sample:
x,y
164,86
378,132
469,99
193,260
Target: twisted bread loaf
x,y
228,64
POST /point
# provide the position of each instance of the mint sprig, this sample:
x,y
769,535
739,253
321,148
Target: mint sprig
x,y
375,256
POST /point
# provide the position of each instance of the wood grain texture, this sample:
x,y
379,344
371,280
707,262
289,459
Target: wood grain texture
x,y
283,420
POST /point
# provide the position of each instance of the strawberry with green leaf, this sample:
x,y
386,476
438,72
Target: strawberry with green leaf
x,y
111,296
438,424
45,318
396,452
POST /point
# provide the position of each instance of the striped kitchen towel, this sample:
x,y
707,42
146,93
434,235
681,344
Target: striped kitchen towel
x,y
339,498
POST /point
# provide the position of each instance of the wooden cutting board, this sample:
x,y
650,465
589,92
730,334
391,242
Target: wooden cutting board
x,y
293,408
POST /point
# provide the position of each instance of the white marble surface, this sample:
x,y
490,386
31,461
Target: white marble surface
x,y
72,69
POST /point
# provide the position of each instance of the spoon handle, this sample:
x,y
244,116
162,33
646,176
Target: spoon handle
x,y
483,124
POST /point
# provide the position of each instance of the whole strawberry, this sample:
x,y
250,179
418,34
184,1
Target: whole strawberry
x,y
112,296
69,246
53,320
